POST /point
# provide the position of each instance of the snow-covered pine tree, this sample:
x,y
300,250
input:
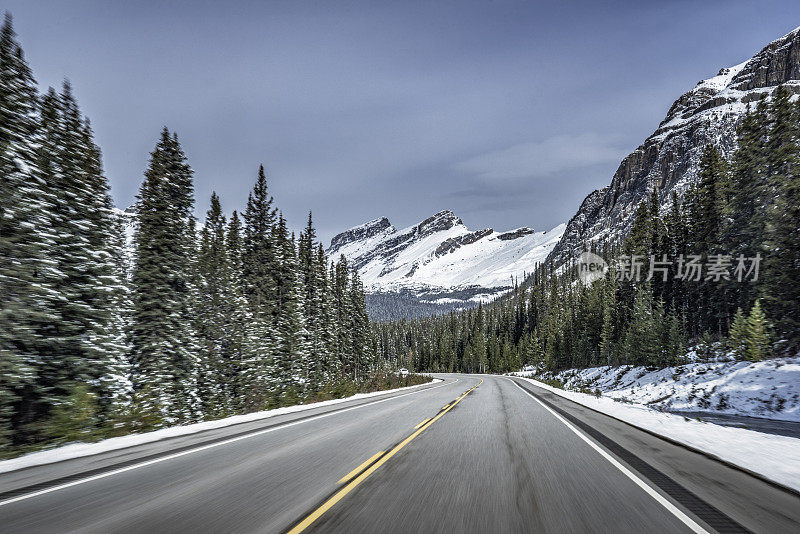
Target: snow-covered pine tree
x,y
362,353
164,346
259,269
259,262
705,217
314,287
246,341
233,248
746,203
291,350
327,321
116,382
26,272
343,319
781,290
217,371
84,233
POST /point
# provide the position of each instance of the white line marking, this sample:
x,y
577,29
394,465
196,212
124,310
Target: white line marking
x,y
688,521
210,446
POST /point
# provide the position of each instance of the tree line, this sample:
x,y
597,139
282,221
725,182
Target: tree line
x,y
99,340
739,220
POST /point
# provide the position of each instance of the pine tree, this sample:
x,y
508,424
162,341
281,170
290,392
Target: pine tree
x,y
477,341
746,204
675,341
758,334
164,345
259,251
780,290
246,349
330,363
291,353
705,219
249,334
27,273
607,330
677,229
737,340
312,282
643,339
360,328
84,251
706,216
639,240
217,371
116,382
340,277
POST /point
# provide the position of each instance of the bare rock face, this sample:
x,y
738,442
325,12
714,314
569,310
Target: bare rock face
x,y
360,233
444,220
454,243
669,158
514,234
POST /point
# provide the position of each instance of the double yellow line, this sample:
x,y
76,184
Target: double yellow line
x,y
372,465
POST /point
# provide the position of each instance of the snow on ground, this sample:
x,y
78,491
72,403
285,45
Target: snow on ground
x,y
76,450
768,389
774,457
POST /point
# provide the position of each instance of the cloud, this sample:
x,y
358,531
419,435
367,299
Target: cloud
x,y
538,159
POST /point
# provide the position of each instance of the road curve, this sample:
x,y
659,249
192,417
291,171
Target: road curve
x,y
470,454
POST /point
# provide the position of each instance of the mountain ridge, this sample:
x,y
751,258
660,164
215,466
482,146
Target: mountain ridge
x,y
440,260
669,158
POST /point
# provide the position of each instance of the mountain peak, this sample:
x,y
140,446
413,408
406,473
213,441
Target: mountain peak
x,y
669,159
361,232
441,255
444,220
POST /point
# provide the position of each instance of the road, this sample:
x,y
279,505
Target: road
x,y
470,454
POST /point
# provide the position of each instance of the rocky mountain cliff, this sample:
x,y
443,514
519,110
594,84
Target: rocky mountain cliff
x,y
439,260
668,159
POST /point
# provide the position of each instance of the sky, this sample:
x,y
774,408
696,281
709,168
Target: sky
x,y
508,113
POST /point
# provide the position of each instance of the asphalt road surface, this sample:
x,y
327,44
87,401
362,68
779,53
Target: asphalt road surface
x,y
470,454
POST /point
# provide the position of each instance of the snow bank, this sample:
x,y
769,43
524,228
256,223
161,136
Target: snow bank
x,y
774,457
768,389
76,450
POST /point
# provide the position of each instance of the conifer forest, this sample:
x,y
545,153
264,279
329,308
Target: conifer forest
x,y
739,221
197,320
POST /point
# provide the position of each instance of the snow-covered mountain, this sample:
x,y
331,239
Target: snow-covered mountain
x,y
669,158
440,259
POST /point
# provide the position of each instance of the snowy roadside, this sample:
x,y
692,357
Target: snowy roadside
x,y
76,450
768,389
774,457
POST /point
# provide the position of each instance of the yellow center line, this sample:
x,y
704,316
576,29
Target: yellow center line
x,y
422,423
360,468
339,495
446,406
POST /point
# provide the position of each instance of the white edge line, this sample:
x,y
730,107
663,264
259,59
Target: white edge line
x,y
205,447
688,521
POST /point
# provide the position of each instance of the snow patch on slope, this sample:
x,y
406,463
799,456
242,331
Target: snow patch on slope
x,y
768,389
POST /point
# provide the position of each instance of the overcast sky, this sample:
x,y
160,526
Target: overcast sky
x,y
508,113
